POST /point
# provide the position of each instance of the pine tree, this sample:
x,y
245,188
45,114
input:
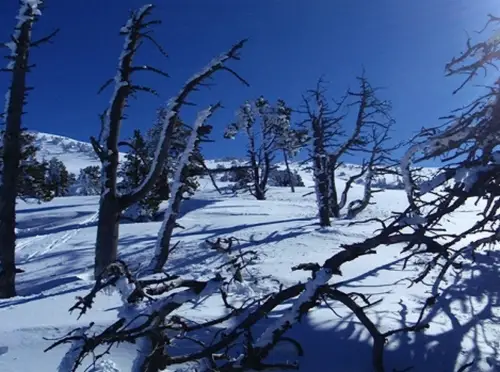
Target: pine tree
x,y
58,178
31,179
89,181
133,172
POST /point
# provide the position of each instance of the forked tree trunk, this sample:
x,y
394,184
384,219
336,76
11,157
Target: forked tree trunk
x,y
113,204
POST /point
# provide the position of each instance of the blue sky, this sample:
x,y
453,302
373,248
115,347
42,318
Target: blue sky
x,y
402,44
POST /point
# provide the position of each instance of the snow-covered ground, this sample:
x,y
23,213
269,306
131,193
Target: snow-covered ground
x,y
56,246
56,250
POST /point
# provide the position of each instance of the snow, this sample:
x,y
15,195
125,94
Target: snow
x,y
75,154
56,246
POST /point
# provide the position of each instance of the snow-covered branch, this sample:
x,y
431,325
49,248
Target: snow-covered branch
x,y
178,188
169,120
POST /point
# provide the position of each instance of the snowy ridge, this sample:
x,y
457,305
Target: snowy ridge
x,y
77,155
74,154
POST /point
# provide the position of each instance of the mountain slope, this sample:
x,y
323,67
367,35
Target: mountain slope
x,y
78,154
74,154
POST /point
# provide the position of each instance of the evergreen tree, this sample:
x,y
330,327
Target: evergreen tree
x,y
265,127
133,171
31,180
58,179
89,181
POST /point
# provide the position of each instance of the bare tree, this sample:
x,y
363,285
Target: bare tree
x,y
264,125
380,163
18,66
179,187
330,143
324,125
113,204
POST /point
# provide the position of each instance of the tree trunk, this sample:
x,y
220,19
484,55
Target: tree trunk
x,y
357,206
259,193
8,239
289,172
166,238
106,247
265,175
11,159
321,173
332,192
321,179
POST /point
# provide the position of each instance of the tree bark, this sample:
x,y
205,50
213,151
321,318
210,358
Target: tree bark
x,y
289,172
321,179
168,232
321,173
332,192
11,159
106,247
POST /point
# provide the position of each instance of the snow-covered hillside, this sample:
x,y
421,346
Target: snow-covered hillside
x,y
56,247
74,154
56,251
77,155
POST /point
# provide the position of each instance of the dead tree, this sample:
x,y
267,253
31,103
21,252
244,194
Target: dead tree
x,y
324,124
263,124
112,204
380,163
330,144
179,187
18,67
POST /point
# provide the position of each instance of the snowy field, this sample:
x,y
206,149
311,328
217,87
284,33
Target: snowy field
x,y
55,248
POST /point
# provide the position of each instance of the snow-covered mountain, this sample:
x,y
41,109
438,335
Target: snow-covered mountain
x,y
77,155
73,153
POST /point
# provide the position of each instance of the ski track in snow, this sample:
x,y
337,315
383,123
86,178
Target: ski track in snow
x,y
55,242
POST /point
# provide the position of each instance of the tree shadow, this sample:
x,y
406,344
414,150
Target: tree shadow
x,y
200,260
48,225
464,322
231,230
26,296
47,209
470,301
193,204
